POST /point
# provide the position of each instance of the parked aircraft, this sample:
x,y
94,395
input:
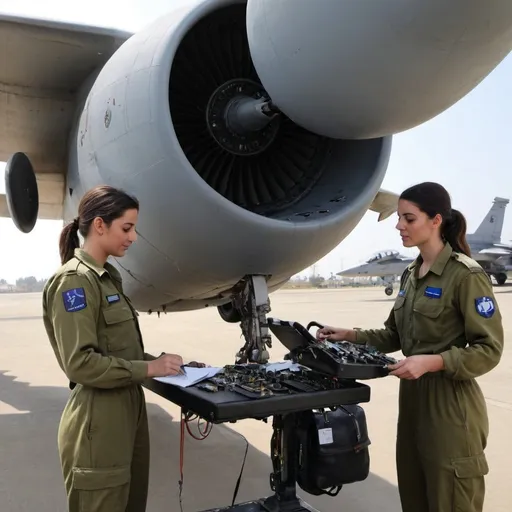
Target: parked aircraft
x,y
249,130
485,244
388,265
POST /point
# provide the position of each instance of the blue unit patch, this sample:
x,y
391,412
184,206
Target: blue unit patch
x,y
113,298
433,293
485,306
74,300
401,293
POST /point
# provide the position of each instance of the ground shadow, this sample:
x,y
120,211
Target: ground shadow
x,y
30,476
501,290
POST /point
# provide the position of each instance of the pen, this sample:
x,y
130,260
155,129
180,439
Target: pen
x,y
182,367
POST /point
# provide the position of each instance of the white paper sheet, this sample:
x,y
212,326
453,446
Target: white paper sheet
x,y
192,376
284,365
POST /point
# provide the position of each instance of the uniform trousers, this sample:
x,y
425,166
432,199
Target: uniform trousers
x,y
103,442
441,437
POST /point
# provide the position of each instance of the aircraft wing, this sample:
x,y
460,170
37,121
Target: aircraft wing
x,y
385,204
498,251
504,246
42,66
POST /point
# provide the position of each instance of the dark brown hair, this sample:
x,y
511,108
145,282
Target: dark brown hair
x,y
103,201
432,199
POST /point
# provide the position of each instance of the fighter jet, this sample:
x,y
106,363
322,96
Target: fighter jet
x,y
387,265
485,244
256,134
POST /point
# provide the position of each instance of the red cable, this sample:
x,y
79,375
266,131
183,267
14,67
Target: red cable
x,y
203,434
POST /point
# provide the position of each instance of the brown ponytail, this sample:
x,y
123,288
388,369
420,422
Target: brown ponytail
x,y
68,241
434,199
103,201
454,232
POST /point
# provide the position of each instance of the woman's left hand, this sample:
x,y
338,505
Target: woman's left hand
x,y
195,364
414,367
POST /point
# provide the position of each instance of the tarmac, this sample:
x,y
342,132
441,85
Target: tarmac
x,y
33,392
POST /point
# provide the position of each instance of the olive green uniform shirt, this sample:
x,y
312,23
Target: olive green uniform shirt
x,y
451,311
92,326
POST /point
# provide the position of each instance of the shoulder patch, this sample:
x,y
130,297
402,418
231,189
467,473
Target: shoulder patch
x,y
485,306
74,300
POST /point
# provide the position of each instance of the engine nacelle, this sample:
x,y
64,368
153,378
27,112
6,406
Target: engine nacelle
x,y
363,69
218,200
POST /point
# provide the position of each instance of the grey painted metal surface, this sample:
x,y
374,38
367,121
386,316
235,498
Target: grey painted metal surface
x,y
371,68
138,112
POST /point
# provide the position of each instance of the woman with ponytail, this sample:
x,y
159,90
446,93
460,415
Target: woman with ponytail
x,y
447,323
103,434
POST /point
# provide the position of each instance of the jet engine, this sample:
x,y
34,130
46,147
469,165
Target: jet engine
x,y
255,133
229,186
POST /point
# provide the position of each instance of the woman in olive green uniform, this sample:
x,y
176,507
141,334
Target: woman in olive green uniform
x,y
447,323
93,329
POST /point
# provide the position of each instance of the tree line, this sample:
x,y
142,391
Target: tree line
x,y
27,284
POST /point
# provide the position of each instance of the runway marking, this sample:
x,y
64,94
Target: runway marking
x,y
14,318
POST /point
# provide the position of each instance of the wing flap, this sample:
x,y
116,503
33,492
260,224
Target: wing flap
x,y
385,204
42,66
498,251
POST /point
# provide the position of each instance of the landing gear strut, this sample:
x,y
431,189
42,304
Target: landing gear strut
x,y
250,306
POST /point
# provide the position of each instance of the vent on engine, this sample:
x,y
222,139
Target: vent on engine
x,y
266,165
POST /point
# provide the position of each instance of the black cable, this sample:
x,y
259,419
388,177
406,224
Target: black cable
x,y
237,486
204,434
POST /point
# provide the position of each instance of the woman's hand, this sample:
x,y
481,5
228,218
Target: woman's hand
x,y
195,364
335,334
165,365
414,367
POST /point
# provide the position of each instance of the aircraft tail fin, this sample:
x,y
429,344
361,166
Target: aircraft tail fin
x,y
491,226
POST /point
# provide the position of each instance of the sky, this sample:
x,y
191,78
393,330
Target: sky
x,y
466,149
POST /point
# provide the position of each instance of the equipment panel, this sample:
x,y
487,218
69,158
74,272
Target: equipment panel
x,y
249,391
341,359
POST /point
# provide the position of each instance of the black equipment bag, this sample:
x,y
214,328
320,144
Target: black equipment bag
x,y
333,449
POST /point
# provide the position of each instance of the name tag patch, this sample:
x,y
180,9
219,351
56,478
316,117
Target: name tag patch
x,y
433,293
485,306
113,298
74,300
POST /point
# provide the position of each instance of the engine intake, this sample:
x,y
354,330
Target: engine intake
x,y
260,161
179,117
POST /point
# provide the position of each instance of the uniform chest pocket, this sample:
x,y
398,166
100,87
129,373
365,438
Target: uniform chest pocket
x,y
119,328
428,324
